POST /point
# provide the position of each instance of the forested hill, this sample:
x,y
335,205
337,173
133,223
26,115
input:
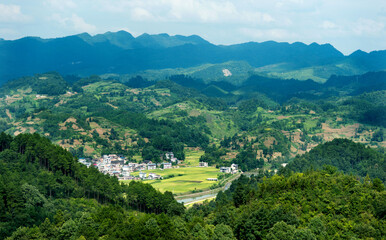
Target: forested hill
x,y
45,194
42,182
347,156
321,204
122,53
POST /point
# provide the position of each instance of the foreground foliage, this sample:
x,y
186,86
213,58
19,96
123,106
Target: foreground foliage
x,y
46,194
37,178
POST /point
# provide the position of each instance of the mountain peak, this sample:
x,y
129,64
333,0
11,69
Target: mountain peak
x,y
358,53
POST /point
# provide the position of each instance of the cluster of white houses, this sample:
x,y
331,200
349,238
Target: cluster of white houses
x,y
115,165
234,168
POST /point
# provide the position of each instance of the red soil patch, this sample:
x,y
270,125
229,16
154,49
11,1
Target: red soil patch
x,y
282,117
8,114
269,141
346,131
100,131
111,105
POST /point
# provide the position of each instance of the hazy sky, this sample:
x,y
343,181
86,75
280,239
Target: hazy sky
x,y
347,24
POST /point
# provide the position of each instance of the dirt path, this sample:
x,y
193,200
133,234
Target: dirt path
x,y
8,114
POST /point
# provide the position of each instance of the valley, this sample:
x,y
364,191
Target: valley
x,y
93,117
171,137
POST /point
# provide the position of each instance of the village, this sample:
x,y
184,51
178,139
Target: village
x,y
120,167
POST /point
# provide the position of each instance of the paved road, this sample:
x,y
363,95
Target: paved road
x,y
201,196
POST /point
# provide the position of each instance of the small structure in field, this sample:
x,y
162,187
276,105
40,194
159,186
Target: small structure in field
x,y
153,176
212,179
203,164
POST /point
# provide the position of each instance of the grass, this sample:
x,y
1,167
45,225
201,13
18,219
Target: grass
x,y
104,86
191,179
310,123
300,74
138,158
192,157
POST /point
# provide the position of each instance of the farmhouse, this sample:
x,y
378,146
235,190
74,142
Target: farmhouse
x,y
203,164
140,167
153,176
170,156
142,175
166,165
234,168
151,166
84,162
126,171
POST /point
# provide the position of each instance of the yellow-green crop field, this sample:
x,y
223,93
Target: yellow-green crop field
x,y
192,157
192,178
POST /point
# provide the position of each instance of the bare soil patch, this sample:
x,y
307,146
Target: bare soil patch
x,y
153,100
100,131
111,105
88,149
9,114
345,131
282,117
59,103
269,141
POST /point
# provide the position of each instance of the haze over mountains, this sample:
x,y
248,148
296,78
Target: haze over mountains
x,y
120,52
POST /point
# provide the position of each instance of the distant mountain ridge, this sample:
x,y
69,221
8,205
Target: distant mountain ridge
x,y
120,52
125,40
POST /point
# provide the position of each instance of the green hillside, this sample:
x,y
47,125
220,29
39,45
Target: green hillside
x,y
346,155
92,116
46,194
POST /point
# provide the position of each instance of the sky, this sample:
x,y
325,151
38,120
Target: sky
x,y
348,25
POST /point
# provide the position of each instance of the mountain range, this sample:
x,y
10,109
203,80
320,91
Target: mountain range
x,y
121,53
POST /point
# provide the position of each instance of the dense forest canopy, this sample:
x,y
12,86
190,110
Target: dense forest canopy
x,y
345,155
46,194
38,179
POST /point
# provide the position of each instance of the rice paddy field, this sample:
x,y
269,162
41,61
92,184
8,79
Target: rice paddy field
x,y
192,157
186,179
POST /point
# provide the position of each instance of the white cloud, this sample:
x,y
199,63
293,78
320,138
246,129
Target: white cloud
x,y
61,4
249,17
8,31
188,11
80,25
368,27
59,19
198,10
74,22
328,25
12,13
140,14
267,34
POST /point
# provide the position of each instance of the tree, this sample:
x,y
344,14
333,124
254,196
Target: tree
x,y
223,232
281,231
304,234
198,232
